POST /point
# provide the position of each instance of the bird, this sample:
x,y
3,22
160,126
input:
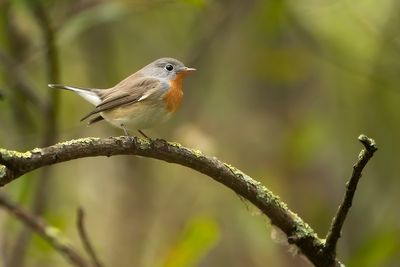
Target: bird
x,y
143,100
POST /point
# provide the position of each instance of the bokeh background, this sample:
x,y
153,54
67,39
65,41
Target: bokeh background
x,y
282,91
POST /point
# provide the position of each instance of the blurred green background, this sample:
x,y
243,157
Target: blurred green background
x,y
282,91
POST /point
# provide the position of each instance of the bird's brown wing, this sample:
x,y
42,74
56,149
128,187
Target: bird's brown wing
x,y
118,96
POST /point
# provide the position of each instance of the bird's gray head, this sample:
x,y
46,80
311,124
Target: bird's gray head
x,y
166,68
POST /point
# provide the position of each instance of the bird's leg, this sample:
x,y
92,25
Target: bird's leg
x,y
142,133
125,130
127,133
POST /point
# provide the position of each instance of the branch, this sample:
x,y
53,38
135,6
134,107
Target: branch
x,y
14,164
298,232
337,223
85,239
48,233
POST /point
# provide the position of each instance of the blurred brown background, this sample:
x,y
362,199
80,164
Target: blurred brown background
x,y
282,91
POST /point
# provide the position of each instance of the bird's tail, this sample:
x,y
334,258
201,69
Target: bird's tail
x,y
91,95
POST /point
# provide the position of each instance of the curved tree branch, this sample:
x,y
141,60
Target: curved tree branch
x,y
298,233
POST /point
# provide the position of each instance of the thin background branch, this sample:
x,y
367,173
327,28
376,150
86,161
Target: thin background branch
x,y
45,231
80,224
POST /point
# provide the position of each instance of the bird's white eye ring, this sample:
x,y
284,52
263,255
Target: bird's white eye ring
x,y
169,67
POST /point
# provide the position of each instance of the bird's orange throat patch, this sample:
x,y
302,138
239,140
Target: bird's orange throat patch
x,y
173,97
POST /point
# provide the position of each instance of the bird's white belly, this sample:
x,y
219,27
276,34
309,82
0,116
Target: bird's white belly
x,y
137,117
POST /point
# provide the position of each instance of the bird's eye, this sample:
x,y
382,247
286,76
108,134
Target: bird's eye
x,y
169,67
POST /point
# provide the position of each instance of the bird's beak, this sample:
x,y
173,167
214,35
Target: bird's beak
x,y
187,70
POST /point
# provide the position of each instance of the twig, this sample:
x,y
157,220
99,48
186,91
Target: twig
x,y
337,223
298,232
85,239
48,233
